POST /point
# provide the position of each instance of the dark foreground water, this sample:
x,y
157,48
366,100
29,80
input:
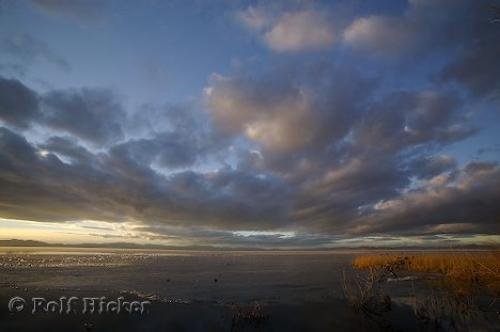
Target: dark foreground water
x,y
188,291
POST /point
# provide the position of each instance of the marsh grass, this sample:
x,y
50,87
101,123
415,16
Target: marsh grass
x,y
366,296
460,281
461,273
444,311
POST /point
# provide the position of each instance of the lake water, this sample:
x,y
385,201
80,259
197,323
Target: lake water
x,y
203,291
182,275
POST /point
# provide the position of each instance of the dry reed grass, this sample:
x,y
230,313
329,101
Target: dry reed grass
x,y
463,273
366,296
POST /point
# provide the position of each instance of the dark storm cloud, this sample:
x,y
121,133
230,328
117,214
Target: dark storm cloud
x,y
332,201
175,137
289,109
68,148
462,28
311,122
15,149
424,23
343,169
26,48
346,152
408,118
476,65
168,149
88,113
233,199
18,103
478,69
38,185
42,187
348,179
91,114
470,204
428,167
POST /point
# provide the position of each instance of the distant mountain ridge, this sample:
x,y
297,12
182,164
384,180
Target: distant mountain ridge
x,y
127,245
22,243
113,245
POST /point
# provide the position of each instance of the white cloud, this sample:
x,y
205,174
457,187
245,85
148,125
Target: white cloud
x,y
378,34
282,124
290,31
300,31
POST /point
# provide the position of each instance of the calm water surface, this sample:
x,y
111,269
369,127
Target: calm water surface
x,y
182,275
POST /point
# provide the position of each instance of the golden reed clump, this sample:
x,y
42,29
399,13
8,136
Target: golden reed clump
x,y
463,273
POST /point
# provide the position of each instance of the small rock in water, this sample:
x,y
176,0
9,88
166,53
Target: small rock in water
x,y
88,326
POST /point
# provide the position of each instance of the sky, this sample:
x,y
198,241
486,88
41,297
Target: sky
x,y
255,124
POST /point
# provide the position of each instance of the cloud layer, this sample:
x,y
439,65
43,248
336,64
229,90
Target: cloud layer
x,y
356,136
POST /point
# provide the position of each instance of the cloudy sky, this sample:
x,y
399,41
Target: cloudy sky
x,y
272,124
